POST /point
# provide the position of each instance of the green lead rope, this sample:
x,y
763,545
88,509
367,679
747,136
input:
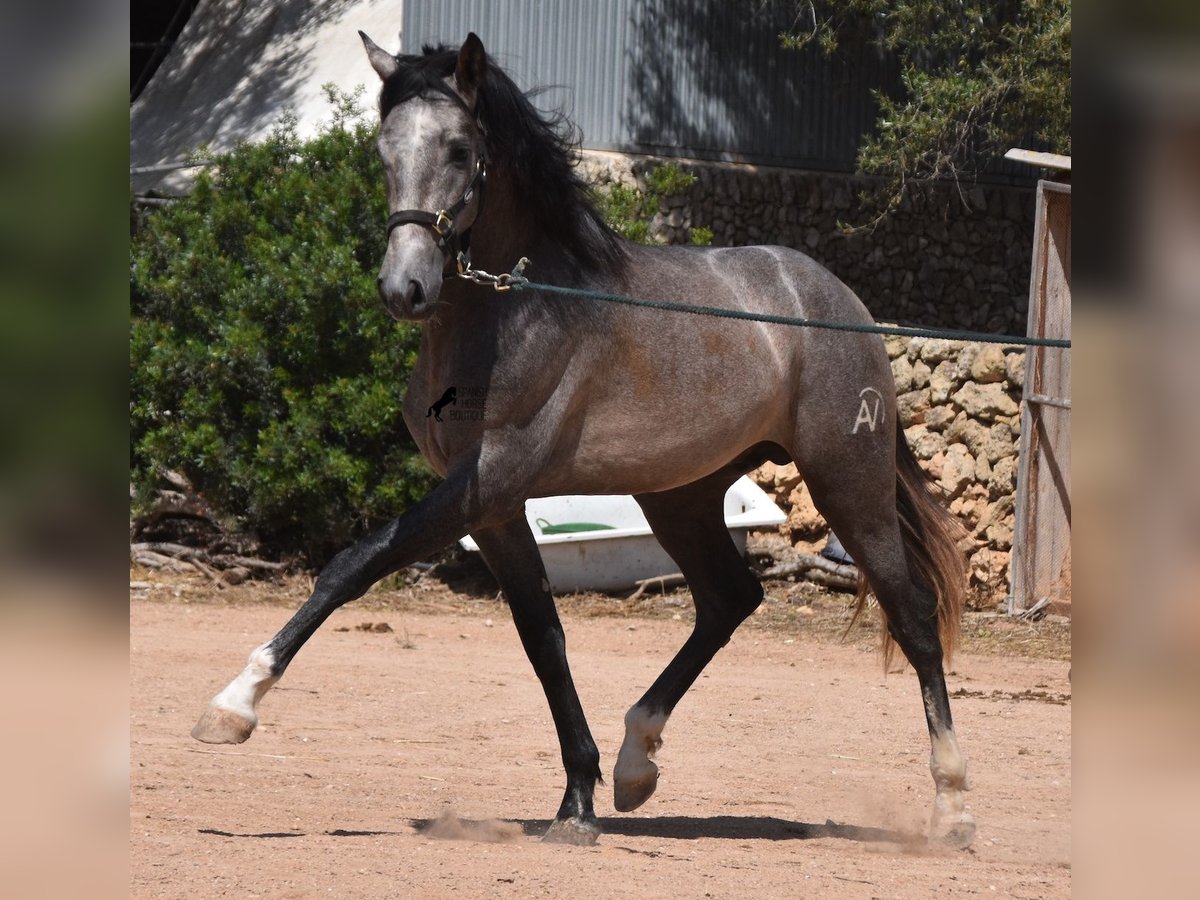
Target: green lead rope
x,y
516,281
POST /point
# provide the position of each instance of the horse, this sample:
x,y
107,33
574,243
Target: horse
x,y
477,176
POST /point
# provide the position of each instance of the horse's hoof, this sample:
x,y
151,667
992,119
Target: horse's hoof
x,y
221,726
631,792
576,832
956,832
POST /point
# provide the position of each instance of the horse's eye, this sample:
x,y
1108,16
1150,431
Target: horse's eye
x,y
459,154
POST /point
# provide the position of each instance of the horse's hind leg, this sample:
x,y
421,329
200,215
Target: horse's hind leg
x,y
512,555
689,522
861,507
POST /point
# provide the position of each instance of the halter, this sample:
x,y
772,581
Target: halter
x,y
455,245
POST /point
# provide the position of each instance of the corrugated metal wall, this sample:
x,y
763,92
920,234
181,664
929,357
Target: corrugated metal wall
x,y
673,77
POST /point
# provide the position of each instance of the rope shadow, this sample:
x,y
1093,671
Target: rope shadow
x,y
262,834
336,832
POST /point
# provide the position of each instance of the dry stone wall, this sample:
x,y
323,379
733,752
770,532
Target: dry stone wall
x,y
932,262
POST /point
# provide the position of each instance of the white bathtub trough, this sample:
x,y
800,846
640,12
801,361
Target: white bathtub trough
x,y
615,558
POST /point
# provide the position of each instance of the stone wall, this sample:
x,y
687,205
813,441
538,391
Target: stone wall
x,y
959,405
932,262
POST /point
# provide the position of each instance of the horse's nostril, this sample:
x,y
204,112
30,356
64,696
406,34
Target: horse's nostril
x,y
415,295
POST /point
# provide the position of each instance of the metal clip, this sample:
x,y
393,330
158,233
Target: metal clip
x,y
443,229
502,282
506,281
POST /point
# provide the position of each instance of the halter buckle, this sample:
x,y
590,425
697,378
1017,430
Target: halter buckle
x,y
443,225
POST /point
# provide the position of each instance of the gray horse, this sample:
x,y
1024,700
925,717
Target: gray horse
x,y
574,396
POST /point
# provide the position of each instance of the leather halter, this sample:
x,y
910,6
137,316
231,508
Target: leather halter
x,y
455,245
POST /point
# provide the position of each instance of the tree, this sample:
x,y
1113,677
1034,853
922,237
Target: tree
x,y
978,78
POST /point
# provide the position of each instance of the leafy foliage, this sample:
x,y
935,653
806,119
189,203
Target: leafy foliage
x,y
978,78
261,362
630,211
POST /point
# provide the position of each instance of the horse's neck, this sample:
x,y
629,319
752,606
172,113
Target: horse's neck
x,y
479,323
505,229
509,229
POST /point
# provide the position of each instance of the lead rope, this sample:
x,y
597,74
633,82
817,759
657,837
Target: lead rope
x,y
516,281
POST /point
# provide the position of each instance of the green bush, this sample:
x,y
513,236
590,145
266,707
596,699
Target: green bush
x,y
629,210
262,364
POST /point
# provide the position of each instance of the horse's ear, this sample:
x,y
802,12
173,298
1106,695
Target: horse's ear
x,y
471,67
384,64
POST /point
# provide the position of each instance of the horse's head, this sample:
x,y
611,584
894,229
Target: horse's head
x,y
433,153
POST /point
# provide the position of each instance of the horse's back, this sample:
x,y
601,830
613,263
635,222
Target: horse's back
x,y
766,279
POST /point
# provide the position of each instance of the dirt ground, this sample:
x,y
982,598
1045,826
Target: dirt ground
x,y
418,759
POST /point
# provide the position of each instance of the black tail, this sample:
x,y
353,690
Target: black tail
x,y
931,536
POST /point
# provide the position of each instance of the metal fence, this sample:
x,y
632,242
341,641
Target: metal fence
x,y
705,80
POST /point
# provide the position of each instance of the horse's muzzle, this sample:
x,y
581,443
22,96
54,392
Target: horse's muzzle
x,y
412,302
406,298
410,276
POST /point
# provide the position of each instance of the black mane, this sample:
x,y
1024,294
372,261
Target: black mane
x,y
537,150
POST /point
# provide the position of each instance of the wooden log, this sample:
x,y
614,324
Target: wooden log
x,y
661,580
202,561
152,560
166,548
831,581
248,562
205,570
807,561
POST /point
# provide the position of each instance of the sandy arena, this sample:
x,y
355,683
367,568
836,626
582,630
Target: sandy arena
x,y
421,761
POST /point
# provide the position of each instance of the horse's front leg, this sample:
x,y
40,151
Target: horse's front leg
x,y
512,554
444,516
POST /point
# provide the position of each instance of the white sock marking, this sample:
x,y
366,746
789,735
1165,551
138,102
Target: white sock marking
x,y
947,763
949,768
241,695
643,737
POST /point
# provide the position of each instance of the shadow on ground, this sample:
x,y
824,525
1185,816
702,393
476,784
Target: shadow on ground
x,y
761,828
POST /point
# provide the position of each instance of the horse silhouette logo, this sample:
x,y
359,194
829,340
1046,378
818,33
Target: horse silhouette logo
x,y
450,398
